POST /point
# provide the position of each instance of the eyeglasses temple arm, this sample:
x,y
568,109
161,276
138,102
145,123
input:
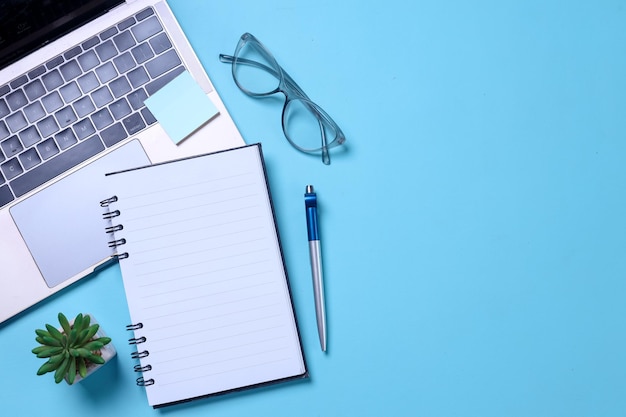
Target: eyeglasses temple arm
x,y
229,59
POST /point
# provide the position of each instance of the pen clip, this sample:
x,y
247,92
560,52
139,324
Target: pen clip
x,y
310,203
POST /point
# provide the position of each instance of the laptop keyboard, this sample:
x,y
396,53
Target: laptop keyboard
x,y
70,109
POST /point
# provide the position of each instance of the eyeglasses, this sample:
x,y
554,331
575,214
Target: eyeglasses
x,y
306,125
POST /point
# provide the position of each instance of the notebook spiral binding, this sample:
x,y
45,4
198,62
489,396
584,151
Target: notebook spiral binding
x,y
139,355
107,201
141,381
139,368
136,340
110,215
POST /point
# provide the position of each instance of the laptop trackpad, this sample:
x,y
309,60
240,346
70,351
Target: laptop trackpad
x,y
62,224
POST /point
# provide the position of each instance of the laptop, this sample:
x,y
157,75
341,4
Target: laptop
x,y
74,76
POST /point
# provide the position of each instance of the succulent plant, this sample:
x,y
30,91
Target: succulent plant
x,y
69,350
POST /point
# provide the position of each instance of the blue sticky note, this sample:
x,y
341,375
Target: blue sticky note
x,y
181,107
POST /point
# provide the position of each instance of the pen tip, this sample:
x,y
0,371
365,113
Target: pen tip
x,y
309,189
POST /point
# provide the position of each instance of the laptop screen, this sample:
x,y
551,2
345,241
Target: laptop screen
x,y
26,25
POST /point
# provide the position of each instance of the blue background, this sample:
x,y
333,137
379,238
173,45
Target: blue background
x,y
473,227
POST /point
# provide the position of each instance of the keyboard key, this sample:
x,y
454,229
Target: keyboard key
x,y
29,136
144,13
65,116
52,102
57,165
70,70
124,41
160,43
29,159
18,82
163,63
55,62
148,116
102,119
4,109
133,124
34,112
90,43
113,134
16,122
72,52
4,90
11,146
142,52
48,126
124,63
17,100
126,23
47,149
119,87
84,129
106,51
84,106
108,33
88,60
120,109
6,196
88,82
70,92
11,169
37,72
65,139
146,29
106,72
138,77
35,90
52,80
4,130
156,85
102,96
136,99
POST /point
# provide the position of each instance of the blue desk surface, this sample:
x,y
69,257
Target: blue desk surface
x,y
473,227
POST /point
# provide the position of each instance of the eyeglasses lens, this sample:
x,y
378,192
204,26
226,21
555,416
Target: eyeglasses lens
x,y
255,70
305,125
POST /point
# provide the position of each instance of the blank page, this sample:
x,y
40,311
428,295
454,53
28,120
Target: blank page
x,y
205,275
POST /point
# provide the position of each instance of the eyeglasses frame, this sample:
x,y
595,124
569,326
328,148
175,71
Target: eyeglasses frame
x,y
290,89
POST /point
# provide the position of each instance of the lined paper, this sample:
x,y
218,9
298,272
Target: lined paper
x,y
205,275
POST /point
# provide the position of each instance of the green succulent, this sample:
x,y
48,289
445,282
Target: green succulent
x,y
70,351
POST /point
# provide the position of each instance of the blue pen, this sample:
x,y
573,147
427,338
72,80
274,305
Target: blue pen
x,y
310,203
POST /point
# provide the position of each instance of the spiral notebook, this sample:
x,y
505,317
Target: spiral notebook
x,y
204,275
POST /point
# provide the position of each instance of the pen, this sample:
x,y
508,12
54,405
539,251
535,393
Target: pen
x,y
310,203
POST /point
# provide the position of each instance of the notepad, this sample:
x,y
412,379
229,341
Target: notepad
x,y
204,276
181,107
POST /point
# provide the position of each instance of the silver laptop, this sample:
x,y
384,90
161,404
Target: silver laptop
x,y
74,77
